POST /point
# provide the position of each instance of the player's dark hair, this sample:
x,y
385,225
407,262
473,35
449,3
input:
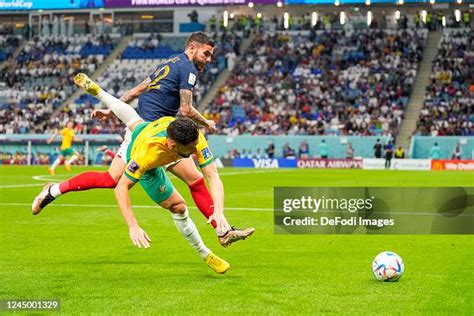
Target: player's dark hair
x,y
183,131
200,38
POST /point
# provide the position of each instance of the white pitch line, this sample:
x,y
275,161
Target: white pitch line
x,y
20,185
260,209
48,178
232,173
135,206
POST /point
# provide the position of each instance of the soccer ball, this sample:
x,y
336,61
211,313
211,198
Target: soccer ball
x,y
388,266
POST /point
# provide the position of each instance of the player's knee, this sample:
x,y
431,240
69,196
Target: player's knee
x,y
178,208
192,175
108,181
194,179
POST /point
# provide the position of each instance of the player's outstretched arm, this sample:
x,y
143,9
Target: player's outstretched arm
x,y
138,236
217,192
187,109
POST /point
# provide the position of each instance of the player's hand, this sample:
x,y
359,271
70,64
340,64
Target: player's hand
x,y
221,222
139,237
211,126
48,141
101,114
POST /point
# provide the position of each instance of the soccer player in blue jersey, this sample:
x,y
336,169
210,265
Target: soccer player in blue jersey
x,y
167,91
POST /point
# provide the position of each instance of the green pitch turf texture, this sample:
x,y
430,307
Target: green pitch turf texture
x,y
78,251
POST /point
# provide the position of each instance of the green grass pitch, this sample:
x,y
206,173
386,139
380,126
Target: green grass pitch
x,y
78,251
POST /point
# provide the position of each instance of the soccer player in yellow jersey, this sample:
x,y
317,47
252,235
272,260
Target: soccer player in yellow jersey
x,y
155,145
68,136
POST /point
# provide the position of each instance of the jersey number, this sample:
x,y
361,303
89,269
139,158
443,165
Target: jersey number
x,y
160,74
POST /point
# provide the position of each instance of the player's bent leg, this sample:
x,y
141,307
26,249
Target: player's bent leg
x,y
160,189
175,203
122,110
82,182
186,170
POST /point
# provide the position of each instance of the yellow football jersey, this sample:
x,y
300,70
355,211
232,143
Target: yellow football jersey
x,y
68,137
148,149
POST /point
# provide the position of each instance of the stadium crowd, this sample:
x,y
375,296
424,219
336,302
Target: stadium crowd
x,y
341,82
449,101
38,80
333,82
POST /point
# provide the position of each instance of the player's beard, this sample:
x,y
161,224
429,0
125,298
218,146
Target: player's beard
x,y
199,64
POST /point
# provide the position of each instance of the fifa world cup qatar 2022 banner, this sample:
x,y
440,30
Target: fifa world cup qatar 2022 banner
x,y
155,3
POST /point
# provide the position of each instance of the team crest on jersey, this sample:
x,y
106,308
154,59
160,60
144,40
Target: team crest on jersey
x,y
206,153
133,166
192,79
162,188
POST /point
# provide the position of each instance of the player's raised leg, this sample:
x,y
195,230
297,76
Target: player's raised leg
x,y
186,170
122,110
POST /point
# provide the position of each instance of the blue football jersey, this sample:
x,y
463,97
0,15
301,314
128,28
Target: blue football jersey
x,y
162,96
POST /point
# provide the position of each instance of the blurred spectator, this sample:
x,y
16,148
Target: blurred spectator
x,y
288,152
193,16
400,153
349,151
323,149
270,150
213,23
435,152
234,154
388,154
466,17
303,151
378,149
457,152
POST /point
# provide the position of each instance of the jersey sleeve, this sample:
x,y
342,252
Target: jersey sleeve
x,y
140,162
155,73
203,152
187,76
135,169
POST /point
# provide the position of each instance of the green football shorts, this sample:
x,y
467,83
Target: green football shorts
x,y
67,152
157,185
